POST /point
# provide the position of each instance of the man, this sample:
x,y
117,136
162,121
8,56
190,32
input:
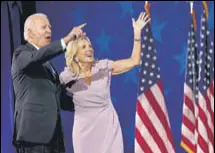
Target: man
x,y
37,127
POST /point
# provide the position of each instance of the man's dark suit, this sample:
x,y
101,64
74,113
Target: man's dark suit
x,y
37,93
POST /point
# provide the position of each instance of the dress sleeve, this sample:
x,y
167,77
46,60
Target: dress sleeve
x,y
105,64
66,76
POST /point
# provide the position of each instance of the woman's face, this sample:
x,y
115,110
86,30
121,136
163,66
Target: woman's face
x,y
85,52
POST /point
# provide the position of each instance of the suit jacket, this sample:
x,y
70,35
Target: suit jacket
x,y
37,93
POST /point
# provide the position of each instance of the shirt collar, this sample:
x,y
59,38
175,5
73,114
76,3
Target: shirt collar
x,y
35,46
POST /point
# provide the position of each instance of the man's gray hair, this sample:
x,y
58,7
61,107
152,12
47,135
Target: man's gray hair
x,y
29,22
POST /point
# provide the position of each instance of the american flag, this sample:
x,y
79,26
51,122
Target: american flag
x,y
190,109
152,127
205,126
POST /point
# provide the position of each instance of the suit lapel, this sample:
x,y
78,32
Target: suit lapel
x,y
54,71
48,66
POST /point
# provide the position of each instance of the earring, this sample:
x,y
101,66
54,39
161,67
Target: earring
x,y
76,60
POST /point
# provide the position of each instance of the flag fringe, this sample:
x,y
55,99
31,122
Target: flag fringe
x,y
186,148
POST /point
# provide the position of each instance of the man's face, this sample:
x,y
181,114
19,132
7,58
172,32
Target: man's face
x,y
40,32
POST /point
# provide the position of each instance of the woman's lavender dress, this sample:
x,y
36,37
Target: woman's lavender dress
x,y
96,125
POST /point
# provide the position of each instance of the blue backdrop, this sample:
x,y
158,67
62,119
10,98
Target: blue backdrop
x,y
109,28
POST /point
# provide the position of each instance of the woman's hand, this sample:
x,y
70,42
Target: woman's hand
x,y
140,24
125,65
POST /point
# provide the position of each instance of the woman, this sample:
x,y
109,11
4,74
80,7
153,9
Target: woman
x,y
96,125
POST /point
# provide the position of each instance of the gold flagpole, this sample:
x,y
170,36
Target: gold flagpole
x,y
147,9
205,8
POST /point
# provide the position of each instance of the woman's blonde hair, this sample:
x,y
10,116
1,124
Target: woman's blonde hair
x,y
70,54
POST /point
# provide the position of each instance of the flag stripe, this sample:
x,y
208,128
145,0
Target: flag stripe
x,y
188,124
189,114
208,98
211,95
163,106
202,131
149,142
187,145
146,135
152,130
208,105
189,103
157,91
212,89
138,147
156,121
188,134
160,113
205,131
199,150
141,141
205,117
140,138
202,144
189,93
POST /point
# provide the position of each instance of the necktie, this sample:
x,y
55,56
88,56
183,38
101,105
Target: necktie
x,y
51,68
